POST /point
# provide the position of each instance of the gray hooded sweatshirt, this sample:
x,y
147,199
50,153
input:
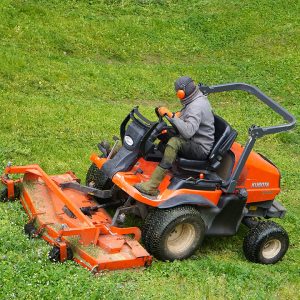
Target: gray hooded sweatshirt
x,y
196,122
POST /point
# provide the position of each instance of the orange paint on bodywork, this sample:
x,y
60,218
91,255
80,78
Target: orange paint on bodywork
x,y
259,177
127,180
96,244
256,173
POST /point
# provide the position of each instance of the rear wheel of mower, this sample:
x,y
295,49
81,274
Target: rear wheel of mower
x,y
174,233
54,254
266,243
96,178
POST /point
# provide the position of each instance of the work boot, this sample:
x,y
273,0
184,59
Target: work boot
x,y
150,187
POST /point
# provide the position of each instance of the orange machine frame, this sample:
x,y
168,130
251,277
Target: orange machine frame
x,y
96,244
256,169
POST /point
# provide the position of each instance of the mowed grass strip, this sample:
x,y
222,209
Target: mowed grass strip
x,y
70,72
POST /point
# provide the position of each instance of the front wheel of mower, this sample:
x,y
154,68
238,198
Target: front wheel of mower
x,y
266,243
174,233
30,230
96,178
4,194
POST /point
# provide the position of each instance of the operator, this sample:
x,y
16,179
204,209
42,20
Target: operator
x,y
195,125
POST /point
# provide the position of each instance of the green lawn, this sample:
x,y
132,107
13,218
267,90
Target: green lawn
x,y
69,73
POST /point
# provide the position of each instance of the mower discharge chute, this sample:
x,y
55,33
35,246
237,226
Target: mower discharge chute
x,y
196,198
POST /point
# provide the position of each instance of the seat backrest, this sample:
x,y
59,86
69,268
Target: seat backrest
x,y
224,138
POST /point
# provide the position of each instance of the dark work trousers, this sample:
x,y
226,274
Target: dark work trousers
x,y
184,148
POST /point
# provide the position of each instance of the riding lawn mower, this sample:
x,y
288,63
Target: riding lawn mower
x,y
234,186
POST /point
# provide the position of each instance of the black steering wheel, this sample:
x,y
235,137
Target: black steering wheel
x,y
160,118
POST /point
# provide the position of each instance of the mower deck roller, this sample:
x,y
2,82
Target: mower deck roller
x,y
56,214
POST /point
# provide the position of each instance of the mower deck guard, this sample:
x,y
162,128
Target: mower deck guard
x,y
55,214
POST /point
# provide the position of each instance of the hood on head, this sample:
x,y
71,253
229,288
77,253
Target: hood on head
x,y
186,84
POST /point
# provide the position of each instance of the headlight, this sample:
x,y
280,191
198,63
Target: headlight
x,y
128,140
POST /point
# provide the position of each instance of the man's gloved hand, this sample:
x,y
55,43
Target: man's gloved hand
x,y
164,111
178,114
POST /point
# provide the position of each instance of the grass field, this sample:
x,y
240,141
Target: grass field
x,y
69,73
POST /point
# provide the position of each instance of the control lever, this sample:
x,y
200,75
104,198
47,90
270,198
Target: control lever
x,y
117,140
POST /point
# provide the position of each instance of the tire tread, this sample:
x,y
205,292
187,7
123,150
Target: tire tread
x,y
95,174
257,235
156,223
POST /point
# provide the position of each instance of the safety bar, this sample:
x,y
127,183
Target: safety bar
x,y
256,131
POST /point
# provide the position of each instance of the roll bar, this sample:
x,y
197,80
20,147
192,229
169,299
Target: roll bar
x,y
255,132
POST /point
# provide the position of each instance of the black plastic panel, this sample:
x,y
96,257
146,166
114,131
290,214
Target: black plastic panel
x,y
228,220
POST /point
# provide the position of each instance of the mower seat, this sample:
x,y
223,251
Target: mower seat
x,y
224,138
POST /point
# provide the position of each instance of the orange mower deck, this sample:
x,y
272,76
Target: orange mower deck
x,y
55,214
